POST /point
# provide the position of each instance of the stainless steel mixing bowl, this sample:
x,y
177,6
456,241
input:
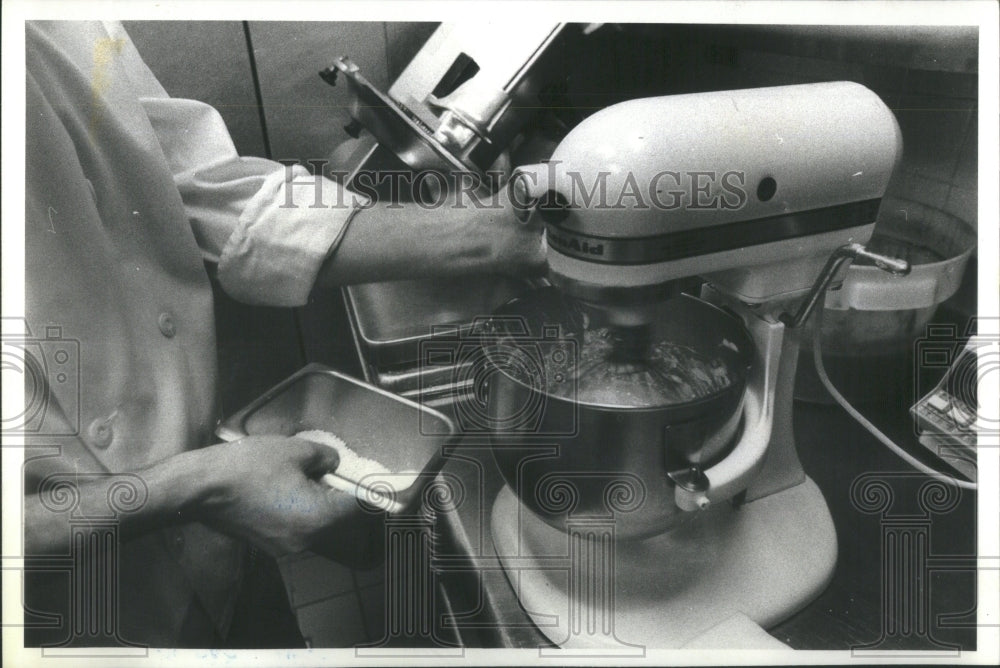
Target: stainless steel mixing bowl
x,y
569,448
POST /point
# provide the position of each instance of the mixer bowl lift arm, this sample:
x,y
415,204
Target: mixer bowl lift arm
x,y
730,476
734,473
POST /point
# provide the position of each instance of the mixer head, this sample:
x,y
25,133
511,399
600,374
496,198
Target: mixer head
x,y
749,189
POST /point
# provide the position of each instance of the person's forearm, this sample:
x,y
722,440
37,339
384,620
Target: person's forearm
x,y
171,488
389,243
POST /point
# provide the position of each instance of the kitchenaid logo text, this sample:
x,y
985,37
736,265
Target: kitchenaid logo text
x,y
548,189
571,243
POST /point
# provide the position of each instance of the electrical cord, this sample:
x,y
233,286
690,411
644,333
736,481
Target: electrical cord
x,y
863,421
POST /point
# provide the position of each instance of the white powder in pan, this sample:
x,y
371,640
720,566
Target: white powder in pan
x,y
353,467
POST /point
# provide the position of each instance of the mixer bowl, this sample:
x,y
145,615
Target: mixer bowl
x,y
570,452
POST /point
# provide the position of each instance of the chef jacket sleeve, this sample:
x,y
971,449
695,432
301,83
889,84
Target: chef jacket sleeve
x,y
268,226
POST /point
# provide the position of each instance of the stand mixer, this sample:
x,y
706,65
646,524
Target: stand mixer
x,y
634,517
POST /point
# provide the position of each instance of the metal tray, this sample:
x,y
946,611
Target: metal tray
x,y
405,437
393,318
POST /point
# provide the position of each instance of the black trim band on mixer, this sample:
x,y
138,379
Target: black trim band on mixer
x,y
701,241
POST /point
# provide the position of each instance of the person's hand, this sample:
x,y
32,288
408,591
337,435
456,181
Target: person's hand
x,y
515,235
267,489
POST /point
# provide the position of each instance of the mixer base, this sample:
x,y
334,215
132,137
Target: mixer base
x,y
713,582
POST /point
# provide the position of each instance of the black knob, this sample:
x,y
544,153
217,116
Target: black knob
x,y
329,75
354,128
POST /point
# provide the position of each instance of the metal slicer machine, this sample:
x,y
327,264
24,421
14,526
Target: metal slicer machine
x,y
459,106
657,519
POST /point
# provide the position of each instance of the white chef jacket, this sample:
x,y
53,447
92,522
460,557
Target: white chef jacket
x,y
127,192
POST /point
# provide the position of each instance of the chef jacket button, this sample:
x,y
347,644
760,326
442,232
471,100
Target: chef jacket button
x,y
166,324
100,433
